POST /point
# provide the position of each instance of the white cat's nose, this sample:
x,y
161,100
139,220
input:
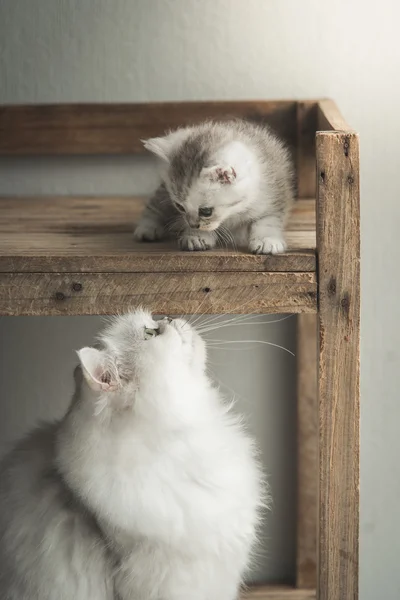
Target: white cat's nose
x,y
166,319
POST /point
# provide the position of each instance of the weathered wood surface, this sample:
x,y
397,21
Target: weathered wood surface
x,y
95,235
307,451
278,593
169,293
305,148
338,235
119,128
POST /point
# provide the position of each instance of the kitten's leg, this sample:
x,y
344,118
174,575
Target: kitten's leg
x,y
266,236
194,239
158,213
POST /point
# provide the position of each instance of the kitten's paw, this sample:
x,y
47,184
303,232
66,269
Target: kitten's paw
x,y
148,231
193,242
268,245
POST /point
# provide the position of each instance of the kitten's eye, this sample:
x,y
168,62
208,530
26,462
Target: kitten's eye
x,y
180,207
206,211
150,333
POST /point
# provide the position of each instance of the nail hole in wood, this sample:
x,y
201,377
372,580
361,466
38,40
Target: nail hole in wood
x,y
77,287
60,296
206,290
345,303
332,287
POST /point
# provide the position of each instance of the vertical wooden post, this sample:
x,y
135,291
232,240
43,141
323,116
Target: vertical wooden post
x,y
338,244
307,451
305,159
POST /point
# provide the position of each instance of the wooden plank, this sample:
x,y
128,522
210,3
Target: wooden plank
x,y
306,128
117,253
338,235
170,293
330,118
95,235
118,128
279,592
307,452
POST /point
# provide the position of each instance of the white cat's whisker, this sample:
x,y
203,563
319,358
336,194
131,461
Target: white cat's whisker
x,y
220,343
234,323
236,319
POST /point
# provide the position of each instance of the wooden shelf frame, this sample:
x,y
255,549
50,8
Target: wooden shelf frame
x,y
63,256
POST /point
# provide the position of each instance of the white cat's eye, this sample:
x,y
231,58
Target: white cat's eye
x,y
180,207
150,333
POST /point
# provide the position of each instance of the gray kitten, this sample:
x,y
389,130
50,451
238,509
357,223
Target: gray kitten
x,y
222,182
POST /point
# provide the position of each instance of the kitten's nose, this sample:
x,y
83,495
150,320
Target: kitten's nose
x,y
194,225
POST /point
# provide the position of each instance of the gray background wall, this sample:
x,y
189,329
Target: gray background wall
x,y
98,50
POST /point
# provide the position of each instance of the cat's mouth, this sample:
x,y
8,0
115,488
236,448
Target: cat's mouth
x,y
208,226
181,327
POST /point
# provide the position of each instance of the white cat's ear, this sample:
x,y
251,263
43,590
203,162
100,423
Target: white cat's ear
x,y
220,174
163,146
94,367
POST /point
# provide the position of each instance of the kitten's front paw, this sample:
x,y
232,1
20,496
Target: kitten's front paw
x,y
267,245
147,231
193,242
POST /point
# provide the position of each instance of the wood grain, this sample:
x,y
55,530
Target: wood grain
x,y
307,451
95,235
305,148
338,235
278,593
169,293
329,117
119,128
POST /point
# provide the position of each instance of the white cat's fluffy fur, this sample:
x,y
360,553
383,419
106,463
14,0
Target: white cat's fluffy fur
x,y
148,489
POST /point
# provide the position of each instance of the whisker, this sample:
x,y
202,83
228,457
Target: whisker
x,y
223,342
240,322
236,319
229,236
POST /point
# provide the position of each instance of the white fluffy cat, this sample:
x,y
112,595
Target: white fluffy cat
x,y
148,489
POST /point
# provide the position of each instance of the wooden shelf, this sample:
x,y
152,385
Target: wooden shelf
x,y
77,256
279,592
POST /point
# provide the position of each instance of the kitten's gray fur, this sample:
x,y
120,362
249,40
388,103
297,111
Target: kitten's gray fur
x,y
239,169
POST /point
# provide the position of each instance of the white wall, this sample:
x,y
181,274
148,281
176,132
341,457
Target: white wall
x,y
98,50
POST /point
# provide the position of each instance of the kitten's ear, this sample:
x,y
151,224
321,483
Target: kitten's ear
x,y
220,174
163,146
158,146
232,162
99,377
